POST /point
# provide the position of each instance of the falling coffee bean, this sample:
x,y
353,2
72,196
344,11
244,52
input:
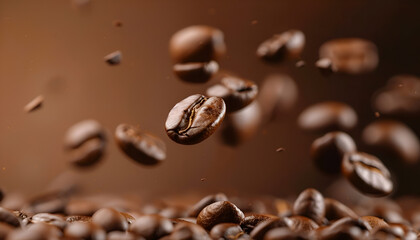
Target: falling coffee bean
x,y
236,92
219,212
288,44
194,119
196,72
140,146
113,58
35,104
328,151
326,116
367,174
310,203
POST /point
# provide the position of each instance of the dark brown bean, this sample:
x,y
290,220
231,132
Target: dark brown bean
x,y
288,44
110,220
263,227
310,203
326,66
301,224
236,92
284,233
151,227
7,216
327,116
327,151
35,104
393,135
84,230
351,55
78,219
345,228
227,231
219,212
252,220
194,119
113,58
367,174
196,209
196,72
197,44
188,231
140,146
335,210
53,219
36,231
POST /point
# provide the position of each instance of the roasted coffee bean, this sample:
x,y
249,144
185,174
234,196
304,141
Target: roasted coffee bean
x,y
241,125
326,66
262,228
345,228
78,219
399,96
196,72
228,231
301,224
252,220
7,216
113,58
53,219
188,231
85,142
196,209
335,210
328,116
310,203
110,220
351,55
385,233
36,231
327,151
393,135
284,233
374,222
194,119
35,104
219,212
116,235
236,92
151,227
278,95
288,44
140,146
84,230
197,44
367,174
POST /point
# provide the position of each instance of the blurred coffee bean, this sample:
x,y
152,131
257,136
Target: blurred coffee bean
x,y
174,212
7,216
288,44
113,58
196,209
283,233
408,232
78,219
327,116
197,43
196,72
227,231
151,227
374,222
81,207
53,219
140,146
367,174
263,227
219,212
194,119
36,231
345,228
252,220
401,95
335,210
327,151
85,141
326,66
241,125
278,94
236,92
35,104
393,135
385,233
84,230
116,235
110,220
351,55
301,224
188,231
310,203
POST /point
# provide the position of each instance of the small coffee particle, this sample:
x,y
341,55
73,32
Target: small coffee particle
x,y
35,104
113,58
300,64
280,149
118,23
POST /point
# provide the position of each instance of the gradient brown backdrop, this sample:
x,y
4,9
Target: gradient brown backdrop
x,y
50,47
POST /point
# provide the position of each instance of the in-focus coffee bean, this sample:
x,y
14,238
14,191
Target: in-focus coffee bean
x,y
194,119
204,202
219,212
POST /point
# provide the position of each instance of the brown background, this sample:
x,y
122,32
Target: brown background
x,y
52,48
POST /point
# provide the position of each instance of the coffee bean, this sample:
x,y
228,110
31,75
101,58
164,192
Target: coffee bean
x,y
110,220
53,219
242,125
367,174
288,44
326,66
284,233
35,104
387,232
327,116
78,219
197,44
374,222
227,231
196,209
140,146
327,151
335,210
278,95
84,230
196,72
113,58
236,92
194,119
345,228
263,227
151,227
394,136
85,141
36,231
301,224
7,216
252,220
351,55
188,231
310,203
219,212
